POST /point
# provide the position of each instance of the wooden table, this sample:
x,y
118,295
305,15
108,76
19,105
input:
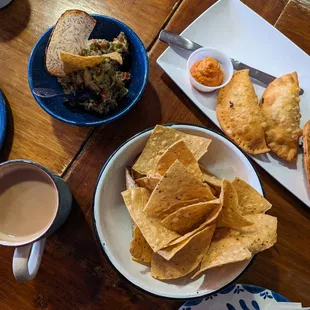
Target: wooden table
x,y
74,274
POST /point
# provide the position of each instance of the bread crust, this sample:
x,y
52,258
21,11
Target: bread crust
x,y
73,44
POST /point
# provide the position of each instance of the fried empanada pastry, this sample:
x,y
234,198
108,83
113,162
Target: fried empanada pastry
x,y
280,106
306,146
239,114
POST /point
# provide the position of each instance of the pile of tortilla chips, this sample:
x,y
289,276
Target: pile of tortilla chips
x,y
185,218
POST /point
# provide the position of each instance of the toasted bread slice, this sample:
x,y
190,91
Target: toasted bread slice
x,y
306,147
70,35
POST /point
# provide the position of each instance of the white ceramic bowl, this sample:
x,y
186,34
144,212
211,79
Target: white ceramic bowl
x,y
224,61
112,221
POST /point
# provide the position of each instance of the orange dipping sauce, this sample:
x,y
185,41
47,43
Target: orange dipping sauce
x,y
207,72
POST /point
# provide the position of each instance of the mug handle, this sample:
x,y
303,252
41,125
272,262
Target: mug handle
x,y
27,259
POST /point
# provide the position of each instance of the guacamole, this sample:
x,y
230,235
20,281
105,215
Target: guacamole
x,y
107,81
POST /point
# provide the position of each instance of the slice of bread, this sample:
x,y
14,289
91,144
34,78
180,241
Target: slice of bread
x,y
70,34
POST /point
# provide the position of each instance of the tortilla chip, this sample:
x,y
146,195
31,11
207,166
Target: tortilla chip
x,y
224,249
178,151
211,179
214,192
280,106
139,248
178,184
156,235
239,114
230,215
149,182
250,201
130,182
189,217
211,218
140,262
76,62
187,259
159,141
260,236
176,207
198,145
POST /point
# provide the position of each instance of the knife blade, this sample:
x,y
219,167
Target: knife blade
x,y
184,43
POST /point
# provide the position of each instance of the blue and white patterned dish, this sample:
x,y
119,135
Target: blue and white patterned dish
x,y
236,297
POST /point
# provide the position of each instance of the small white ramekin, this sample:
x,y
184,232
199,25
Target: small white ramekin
x,y
225,63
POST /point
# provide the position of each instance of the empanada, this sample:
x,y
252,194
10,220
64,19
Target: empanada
x,y
306,146
280,106
239,114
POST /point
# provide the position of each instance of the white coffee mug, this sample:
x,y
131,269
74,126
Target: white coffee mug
x,y
29,249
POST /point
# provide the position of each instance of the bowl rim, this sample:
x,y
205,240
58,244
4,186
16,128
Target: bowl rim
x,y
96,230
98,122
206,88
3,118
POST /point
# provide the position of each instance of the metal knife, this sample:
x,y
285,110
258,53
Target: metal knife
x,y
181,42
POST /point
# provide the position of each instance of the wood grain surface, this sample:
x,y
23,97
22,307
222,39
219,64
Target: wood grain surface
x,y
74,273
270,10
294,23
32,133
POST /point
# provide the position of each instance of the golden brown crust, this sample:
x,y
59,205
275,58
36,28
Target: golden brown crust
x,y
239,114
306,147
280,106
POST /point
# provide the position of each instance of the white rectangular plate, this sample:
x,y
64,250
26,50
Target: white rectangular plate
x,y
233,28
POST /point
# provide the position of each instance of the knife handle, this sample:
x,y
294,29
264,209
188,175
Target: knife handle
x,y
257,74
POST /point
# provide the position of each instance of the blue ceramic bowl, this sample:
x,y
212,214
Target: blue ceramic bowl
x,y
3,121
106,28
